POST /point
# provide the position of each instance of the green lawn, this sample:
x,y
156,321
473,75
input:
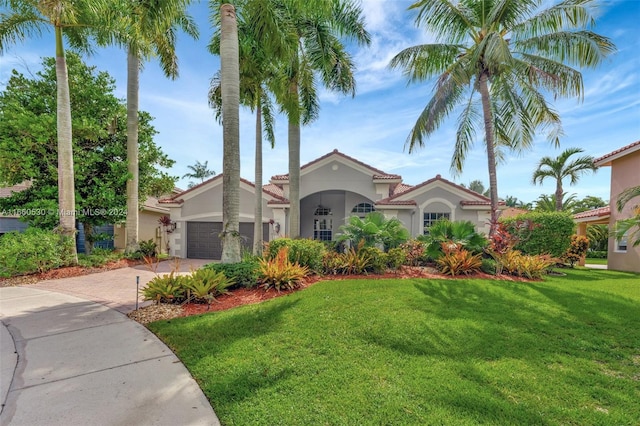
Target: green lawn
x,y
421,352
594,261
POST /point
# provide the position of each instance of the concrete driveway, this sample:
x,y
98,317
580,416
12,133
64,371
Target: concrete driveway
x,y
67,360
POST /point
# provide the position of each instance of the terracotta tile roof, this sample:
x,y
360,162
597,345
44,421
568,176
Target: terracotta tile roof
x,y
390,202
5,192
599,212
622,150
512,211
379,174
441,179
400,188
273,190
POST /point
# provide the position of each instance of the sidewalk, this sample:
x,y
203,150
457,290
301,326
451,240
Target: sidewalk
x,y
70,361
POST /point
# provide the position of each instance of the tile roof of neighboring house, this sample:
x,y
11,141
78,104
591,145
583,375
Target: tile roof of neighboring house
x,y
483,199
400,188
512,211
5,192
605,160
379,174
599,212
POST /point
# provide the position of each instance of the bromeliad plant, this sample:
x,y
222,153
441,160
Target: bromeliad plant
x,y
168,288
280,272
456,260
206,285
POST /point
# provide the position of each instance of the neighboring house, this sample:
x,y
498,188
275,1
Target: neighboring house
x,y
625,166
11,222
332,188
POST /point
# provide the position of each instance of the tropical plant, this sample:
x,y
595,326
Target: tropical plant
x,y
560,168
629,228
598,237
280,273
206,284
509,54
305,252
541,233
198,171
244,273
477,186
23,19
460,232
577,250
374,229
415,252
589,202
548,203
455,260
167,288
35,250
514,262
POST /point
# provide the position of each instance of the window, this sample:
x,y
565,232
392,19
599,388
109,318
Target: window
x,y
621,244
362,209
430,218
322,224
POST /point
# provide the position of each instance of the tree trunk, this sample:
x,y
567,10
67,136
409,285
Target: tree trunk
x,y
88,238
230,87
66,184
491,156
257,222
133,73
294,169
559,194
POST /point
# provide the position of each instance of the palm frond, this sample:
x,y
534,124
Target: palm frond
x,y
425,61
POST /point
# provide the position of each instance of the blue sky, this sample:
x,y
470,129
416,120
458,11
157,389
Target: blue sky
x,y
373,126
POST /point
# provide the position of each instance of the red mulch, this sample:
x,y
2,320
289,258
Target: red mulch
x,y
245,296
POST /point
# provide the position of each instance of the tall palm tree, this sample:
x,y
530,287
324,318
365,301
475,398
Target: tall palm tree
x,y
312,53
24,19
199,171
495,59
257,71
147,29
548,203
560,168
230,93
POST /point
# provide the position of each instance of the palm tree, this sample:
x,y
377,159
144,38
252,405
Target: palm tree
x,y
147,29
23,19
548,203
314,51
559,168
257,72
230,93
495,59
199,171
630,227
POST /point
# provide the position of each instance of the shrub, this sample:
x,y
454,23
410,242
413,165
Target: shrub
x,y
34,250
488,266
206,284
455,260
351,261
280,272
542,232
148,248
168,288
598,254
376,259
414,252
396,257
461,232
98,257
374,229
244,273
513,262
305,252
577,250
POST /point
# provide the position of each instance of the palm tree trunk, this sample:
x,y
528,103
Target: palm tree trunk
x,y
294,169
257,221
66,184
559,194
483,87
230,87
133,73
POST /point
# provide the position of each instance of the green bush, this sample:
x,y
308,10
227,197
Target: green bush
x,y
377,259
461,232
396,257
280,272
148,248
98,257
577,250
305,252
206,284
242,274
598,254
488,266
168,288
34,250
542,232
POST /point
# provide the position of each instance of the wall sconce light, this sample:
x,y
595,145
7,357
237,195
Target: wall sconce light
x,y
276,228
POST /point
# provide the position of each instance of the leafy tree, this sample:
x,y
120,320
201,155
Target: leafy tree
x,y
496,60
478,186
511,201
560,168
230,94
23,19
199,171
28,150
598,237
146,29
374,229
630,227
588,203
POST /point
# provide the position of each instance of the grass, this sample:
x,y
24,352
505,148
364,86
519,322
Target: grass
x,y
594,261
420,352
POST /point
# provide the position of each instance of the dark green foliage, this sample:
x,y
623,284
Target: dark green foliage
x,y
206,284
34,250
598,254
98,257
168,288
305,252
148,248
542,233
242,274
461,232
374,229
396,257
377,259
488,266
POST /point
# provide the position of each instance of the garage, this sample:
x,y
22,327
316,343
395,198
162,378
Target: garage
x,y
203,241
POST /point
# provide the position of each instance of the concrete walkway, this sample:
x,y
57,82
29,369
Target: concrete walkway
x,y
70,361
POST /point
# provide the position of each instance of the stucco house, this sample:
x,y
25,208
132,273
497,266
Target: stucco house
x,y
332,188
625,173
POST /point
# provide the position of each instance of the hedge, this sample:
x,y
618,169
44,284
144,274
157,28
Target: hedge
x,y
542,233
